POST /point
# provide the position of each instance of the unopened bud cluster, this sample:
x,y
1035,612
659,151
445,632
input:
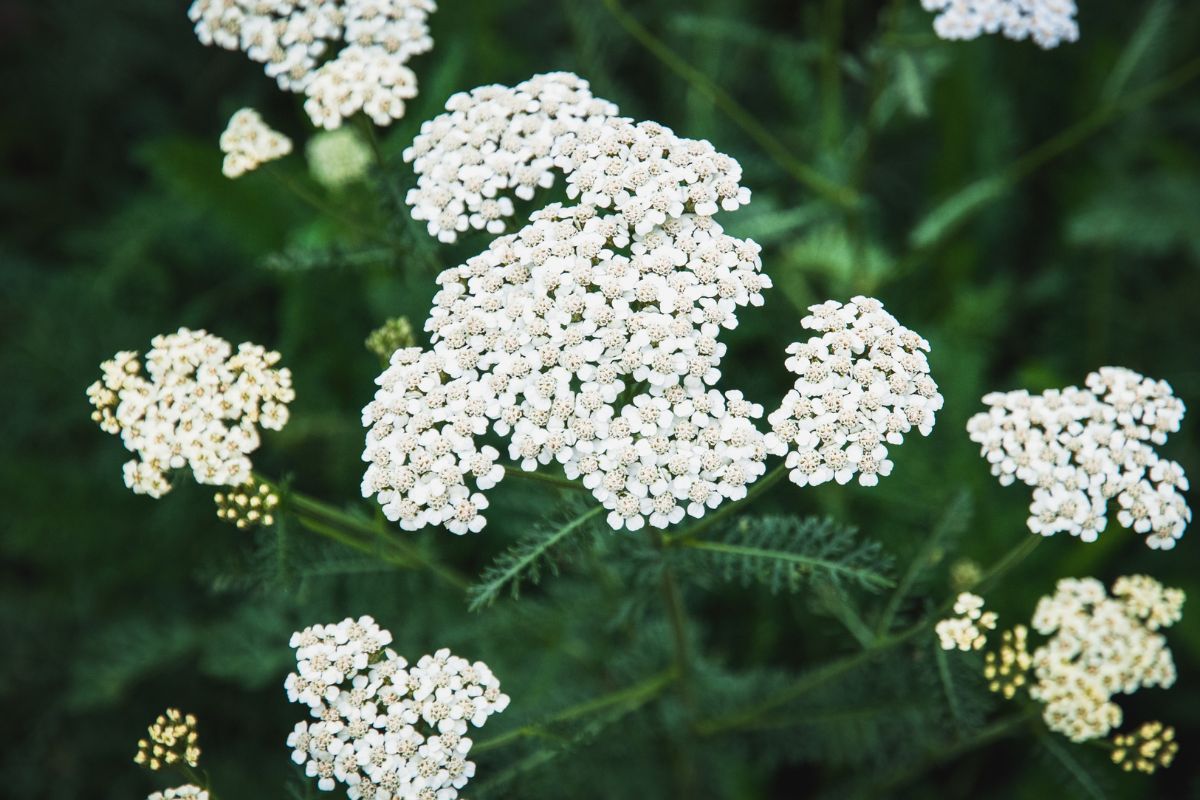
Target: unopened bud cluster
x,y
248,505
1146,749
1007,668
395,334
172,740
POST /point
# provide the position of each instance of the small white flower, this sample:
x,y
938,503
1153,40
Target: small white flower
x,y
248,143
1047,22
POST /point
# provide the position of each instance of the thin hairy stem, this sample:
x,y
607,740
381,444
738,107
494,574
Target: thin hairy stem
x,y
631,696
760,486
828,672
319,205
544,477
737,113
1006,726
320,517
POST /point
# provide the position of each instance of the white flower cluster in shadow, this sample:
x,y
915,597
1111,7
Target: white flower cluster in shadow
x,y
196,405
966,630
863,383
1100,646
248,143
298,41
385,729
1047,22
588,338
1081,448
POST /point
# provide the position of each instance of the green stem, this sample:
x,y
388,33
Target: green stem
x,y
1052,148
634,696
320,205
829,671
777,150
543,477
760,486
336,524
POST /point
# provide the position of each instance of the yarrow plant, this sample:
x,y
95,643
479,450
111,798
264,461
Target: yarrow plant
x,y
297,42
581,348
248,143
384,729
197,405
1098,645
590,337
1081,448
1049,23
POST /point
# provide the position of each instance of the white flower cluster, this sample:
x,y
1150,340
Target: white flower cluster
x,y
248,143
384,729
186,792
1081,448
493,141
1048,22
198,405
588,338
1100,646
864,383
966,630
296,41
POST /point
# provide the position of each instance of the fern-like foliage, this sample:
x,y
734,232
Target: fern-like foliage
x,y
785,552
541,549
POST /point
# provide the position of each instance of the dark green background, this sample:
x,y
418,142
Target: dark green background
x,y
117,225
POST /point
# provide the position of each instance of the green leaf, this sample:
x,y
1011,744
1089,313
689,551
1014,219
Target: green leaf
x,y
785,552
525,560
1146,41
955,210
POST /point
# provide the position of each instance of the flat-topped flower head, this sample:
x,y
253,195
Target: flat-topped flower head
x,y
1080,449
196,404
863,384
494,143
248,143
1101,645
1047,22
298,44
589,338
381,727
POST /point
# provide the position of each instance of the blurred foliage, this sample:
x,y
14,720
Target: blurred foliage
x,y
1032,213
